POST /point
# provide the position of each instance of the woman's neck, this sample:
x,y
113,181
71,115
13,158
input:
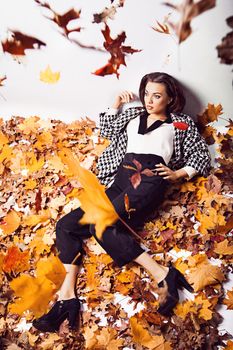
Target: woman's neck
x,y
157,116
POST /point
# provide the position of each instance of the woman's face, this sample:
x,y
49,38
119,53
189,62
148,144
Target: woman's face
x,y
156,98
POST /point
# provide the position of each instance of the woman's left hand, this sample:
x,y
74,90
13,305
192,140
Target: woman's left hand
x,y
166,172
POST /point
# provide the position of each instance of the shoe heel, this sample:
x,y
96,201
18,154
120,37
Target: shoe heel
x,y
182,282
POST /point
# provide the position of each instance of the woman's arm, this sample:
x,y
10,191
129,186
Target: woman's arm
x,y
111,122
195,150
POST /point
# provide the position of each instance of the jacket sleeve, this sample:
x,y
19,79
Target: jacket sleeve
x,y
112,124
195,150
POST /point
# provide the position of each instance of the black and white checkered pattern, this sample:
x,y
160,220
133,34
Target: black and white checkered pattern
x,y
190,147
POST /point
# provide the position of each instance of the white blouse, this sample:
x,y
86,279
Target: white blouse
x,y
158,141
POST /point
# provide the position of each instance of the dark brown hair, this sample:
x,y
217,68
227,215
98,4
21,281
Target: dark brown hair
x,y
173,89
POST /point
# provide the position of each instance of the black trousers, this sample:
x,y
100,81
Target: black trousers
x,y
117,240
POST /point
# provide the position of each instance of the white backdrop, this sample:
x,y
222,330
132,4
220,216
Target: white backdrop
x,y
78,92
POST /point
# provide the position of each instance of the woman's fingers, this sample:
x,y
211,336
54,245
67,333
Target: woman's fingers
x,y
126,96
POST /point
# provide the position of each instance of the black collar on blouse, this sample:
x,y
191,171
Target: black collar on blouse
x,y
142,129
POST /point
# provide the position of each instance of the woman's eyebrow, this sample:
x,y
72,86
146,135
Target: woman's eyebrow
x,y
155,92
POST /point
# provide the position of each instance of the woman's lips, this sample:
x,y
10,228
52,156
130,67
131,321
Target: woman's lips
x,y
149,107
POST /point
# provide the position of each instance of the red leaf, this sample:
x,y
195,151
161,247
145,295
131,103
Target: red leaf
x,y
138,164
181,125
117,51
135,180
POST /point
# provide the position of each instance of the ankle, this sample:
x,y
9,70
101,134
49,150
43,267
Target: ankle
x,y
163,274
66,296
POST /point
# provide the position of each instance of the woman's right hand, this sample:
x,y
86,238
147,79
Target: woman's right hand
x,y
123,97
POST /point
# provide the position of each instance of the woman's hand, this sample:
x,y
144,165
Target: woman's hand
x,y
123,97
167,173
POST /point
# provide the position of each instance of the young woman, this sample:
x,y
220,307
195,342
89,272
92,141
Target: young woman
x,y
158,137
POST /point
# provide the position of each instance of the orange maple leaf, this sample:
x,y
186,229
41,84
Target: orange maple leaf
x,y
15,260
95,203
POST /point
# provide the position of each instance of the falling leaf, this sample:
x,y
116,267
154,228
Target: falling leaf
x,y
225,49
63,20
2,80
35,293
20,42
47,76
162,28
97,207
188,9
117,52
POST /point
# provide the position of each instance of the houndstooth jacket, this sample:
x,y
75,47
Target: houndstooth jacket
x,y
190,147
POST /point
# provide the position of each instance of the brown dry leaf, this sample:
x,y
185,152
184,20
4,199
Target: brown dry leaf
x,y
203,275
200,306
188,9
210,114
19,42
161,28
229,301
225,48
63,20
117,52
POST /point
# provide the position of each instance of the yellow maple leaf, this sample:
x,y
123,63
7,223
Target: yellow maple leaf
x,y
203,275
181,265
47,76
143,337
6,153
44,139
3,139
29,125
223,248
32,163
96,205
209,221
35,293
33,220
10,222
30,184
229,301
199,306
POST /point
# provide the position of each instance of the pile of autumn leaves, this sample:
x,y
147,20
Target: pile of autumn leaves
x,y
43,176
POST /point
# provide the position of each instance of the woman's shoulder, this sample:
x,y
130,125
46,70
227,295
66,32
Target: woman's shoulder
x,y
182,117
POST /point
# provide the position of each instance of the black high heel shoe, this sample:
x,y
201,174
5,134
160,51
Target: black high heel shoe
x,y
61,310
175,280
